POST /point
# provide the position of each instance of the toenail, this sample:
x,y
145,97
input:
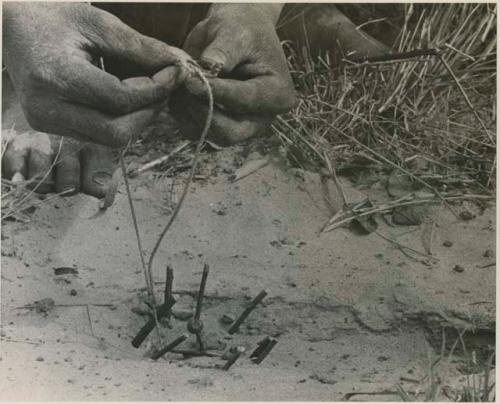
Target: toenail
x,y
102,178
18,177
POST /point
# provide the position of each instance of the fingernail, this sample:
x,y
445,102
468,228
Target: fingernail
x,y
101,178
18,177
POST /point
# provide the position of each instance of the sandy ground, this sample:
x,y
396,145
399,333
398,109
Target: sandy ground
x,y
352,313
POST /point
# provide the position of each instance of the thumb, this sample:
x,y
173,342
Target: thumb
x,y
222,54
116,39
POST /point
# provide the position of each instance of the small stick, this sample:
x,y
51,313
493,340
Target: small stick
x,y
90,320
333,174
486,265
168,288
152,322
152,164
253,304
395,56
158,354
195,325
199,297
189,352
233,358
265,350
260,347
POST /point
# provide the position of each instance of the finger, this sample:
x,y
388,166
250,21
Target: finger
x,y
86,124
40,171
267,94
224,51
118,40
82,82
97,169
67,168
225,129
196,40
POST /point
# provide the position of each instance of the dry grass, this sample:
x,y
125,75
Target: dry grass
x,y
405,115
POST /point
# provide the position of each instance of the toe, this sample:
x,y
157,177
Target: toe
x,y
40,171
14,162
68,168
97,169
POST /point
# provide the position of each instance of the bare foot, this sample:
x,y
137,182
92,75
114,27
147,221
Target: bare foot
x,y
325,28
57,164
80,167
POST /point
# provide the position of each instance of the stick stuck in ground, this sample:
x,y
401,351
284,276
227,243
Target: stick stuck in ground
x,y
247,312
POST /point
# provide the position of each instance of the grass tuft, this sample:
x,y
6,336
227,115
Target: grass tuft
x,y
432,120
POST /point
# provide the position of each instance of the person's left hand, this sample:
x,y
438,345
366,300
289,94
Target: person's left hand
x,y
254,84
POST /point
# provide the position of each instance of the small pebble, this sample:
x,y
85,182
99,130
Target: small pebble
x,y
73,292
489,253
227,319
182,315
466,215
458,268
40,359
447,243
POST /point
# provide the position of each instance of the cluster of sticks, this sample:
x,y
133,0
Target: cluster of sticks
x,y
195,326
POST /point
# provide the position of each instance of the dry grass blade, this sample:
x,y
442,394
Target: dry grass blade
x,y
393,109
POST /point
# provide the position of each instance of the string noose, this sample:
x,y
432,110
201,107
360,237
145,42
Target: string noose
x,y
148,271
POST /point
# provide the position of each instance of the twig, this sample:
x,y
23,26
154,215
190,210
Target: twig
x,y
394,56
491,264
90,320
148,166
333,174
400,246
253,304
19,341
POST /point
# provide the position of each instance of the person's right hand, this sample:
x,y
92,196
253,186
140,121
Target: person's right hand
x,y
51,52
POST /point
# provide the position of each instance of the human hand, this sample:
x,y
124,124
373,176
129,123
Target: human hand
x,y
254,84
51,51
